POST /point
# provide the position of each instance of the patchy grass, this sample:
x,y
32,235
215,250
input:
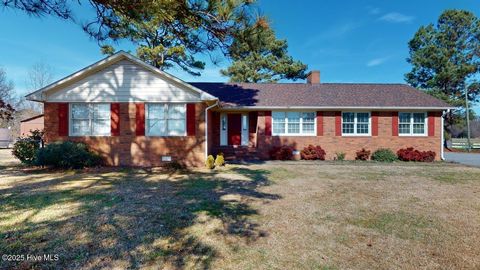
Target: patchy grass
x,y
400,224
462,177
291,215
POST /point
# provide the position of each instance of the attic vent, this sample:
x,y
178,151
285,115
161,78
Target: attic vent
x,y
166,158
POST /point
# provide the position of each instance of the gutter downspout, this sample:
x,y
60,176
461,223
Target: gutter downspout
x,y
442,137
206,127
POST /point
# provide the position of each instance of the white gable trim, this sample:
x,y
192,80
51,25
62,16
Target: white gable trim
x,y
40,95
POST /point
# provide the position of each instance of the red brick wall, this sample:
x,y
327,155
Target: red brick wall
x,y
213,129
350,145
129,149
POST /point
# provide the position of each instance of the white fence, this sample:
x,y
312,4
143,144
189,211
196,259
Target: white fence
x,y
462,143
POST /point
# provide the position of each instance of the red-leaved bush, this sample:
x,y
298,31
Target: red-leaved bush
x,y
284,152
410,154
363,154
313,152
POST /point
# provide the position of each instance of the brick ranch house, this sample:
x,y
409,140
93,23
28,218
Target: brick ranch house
x,y
135,114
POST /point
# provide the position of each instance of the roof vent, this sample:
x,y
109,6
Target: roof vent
x,y
313,77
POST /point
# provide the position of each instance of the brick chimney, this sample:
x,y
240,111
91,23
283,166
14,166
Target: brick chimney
x,y
313,77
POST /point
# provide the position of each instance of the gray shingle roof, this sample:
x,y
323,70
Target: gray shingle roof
x,y
320,95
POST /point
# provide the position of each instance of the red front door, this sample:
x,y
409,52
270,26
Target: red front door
x,y
234,129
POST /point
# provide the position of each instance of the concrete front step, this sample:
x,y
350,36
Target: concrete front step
x,y
238,153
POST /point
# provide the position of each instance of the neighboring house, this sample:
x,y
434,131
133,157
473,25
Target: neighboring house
x,y
18,116
135,114
32,123
5,138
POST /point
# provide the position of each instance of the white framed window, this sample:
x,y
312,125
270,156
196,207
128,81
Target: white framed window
x,y
165,119
90,119
356,124
412,124
293,123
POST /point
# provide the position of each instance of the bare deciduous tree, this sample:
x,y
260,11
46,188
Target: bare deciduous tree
x,y
6,87
6,98
39,76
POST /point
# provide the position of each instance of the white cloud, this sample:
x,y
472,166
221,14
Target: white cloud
x,y
376,61
341,30
336,31
395,17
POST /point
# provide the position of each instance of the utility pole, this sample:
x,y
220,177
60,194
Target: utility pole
x,y
468,121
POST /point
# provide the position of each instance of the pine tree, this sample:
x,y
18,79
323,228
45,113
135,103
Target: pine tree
x,y
445,59
258,56
174,33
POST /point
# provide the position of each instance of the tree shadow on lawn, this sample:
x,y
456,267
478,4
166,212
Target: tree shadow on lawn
x,y
129,219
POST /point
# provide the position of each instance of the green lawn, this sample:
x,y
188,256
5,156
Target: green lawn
x,y
295,215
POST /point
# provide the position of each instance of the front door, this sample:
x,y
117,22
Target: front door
x,y
234,129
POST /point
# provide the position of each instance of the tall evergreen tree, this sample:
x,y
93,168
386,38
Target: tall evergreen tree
x,y
170,33
258,56
445,59
174,33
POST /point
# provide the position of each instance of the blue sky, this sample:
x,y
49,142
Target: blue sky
x,y
349,41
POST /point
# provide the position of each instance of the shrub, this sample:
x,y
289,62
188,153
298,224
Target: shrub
x,y
362,154
313,152
284,152
37,135
25,148
384,155
220,160
340,156
210,162
411,154
67,155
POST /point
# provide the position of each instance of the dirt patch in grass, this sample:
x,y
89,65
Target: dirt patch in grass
x,y
288,215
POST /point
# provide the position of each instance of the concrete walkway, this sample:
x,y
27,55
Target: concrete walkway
x,y
7,159
463,158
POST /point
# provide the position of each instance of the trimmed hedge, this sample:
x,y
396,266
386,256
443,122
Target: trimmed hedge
x,y
25,148
284,152
340,156
411,154
363,154
312,153
67,155
220,160
210,162
384,155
